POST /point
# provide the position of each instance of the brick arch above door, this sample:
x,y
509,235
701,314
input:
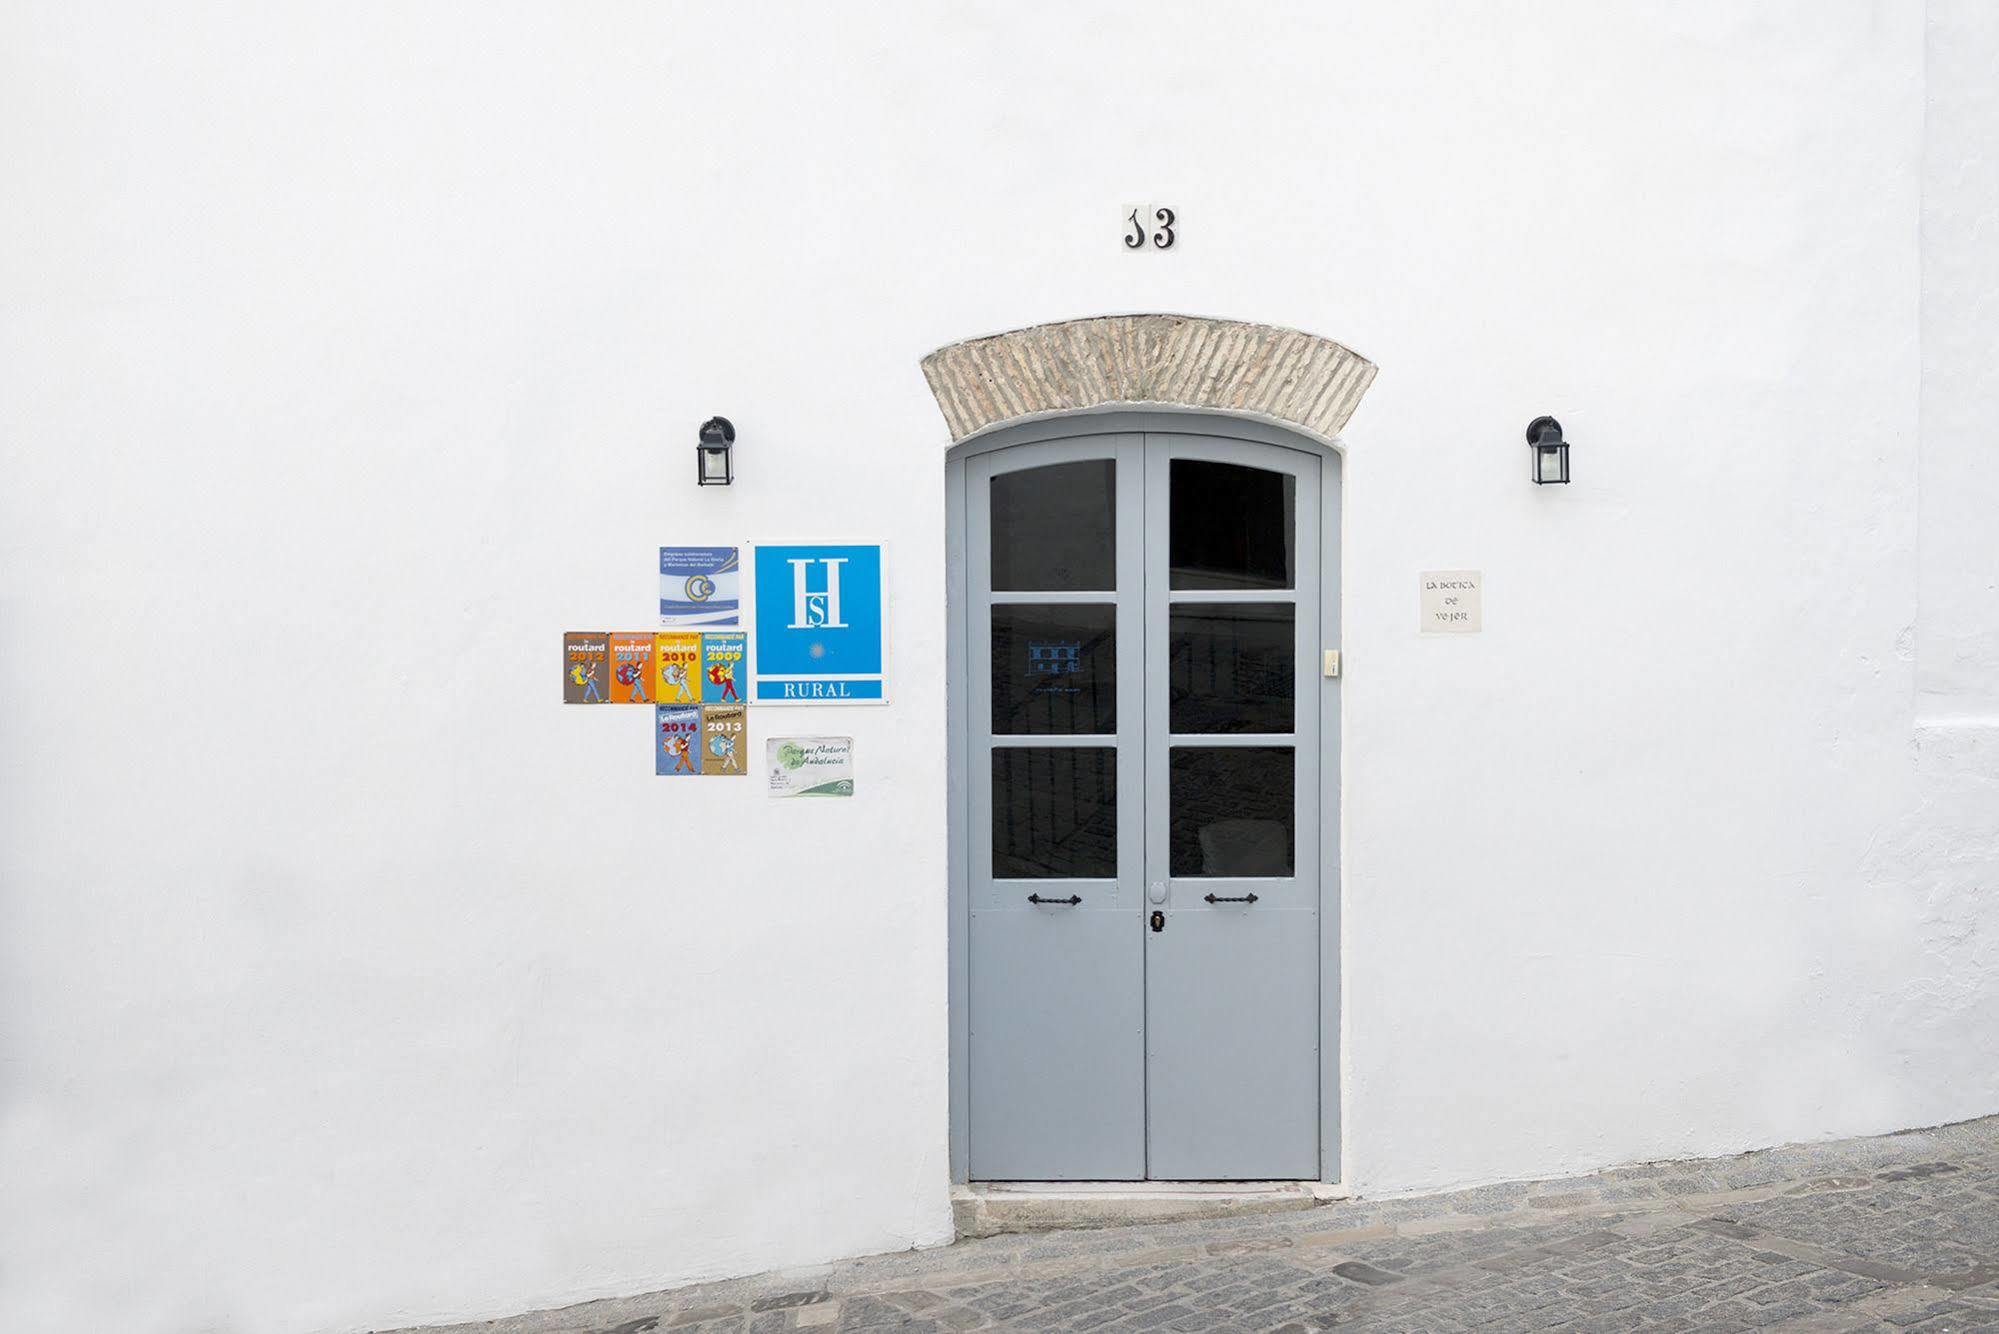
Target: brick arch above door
x,y
1298,379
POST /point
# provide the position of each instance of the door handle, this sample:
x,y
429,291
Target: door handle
x,y
1069,902
1238,898
1156,891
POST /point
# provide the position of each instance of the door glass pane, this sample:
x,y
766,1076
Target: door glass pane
x,y
1054,670
1232,527
1231,667
1054,812
1055,528
1230,810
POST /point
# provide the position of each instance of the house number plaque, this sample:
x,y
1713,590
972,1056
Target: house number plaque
x,y
1148,223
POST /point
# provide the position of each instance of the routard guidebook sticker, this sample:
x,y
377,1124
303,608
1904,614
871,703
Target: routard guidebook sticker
x,y
725,735
818,622
679,667
676,740
585,661
810,766
699,586
722,667
632,668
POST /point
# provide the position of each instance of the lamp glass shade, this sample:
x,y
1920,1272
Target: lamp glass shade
x,y
1551,463
713,466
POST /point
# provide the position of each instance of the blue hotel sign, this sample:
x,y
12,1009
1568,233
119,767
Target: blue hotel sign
x,y
818,625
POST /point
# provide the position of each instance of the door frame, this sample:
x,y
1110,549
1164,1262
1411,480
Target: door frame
x,y
1331,803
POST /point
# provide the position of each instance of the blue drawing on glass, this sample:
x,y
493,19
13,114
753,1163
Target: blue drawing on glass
x,y
1053,661
1055,658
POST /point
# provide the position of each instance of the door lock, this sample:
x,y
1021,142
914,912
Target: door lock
x,y
1158,921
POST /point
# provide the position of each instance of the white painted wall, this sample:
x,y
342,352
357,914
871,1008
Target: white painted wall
x,y
1957,644
353,353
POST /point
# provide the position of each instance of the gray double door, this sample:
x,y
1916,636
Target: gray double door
x,y
1145,808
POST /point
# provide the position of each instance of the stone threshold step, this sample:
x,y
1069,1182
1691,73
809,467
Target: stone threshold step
x,y
987,1209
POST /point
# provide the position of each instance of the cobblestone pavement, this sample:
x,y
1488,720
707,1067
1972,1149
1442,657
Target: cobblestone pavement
x,y
1896,1233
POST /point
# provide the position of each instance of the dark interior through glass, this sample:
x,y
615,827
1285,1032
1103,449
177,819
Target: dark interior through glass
x,y
1231,667
1054,669
1230,811
1231,527
1054,528
1054,812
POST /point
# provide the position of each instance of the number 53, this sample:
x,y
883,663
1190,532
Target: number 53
x,y
1163,238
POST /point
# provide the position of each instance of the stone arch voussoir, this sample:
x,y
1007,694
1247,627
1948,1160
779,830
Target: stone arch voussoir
x,y
1281,375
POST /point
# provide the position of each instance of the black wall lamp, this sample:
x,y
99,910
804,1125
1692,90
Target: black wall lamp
x,y
1551,452
712,463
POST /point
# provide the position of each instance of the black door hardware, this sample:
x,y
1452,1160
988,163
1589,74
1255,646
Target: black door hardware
x,y
1159,921
1072,900
1224,898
